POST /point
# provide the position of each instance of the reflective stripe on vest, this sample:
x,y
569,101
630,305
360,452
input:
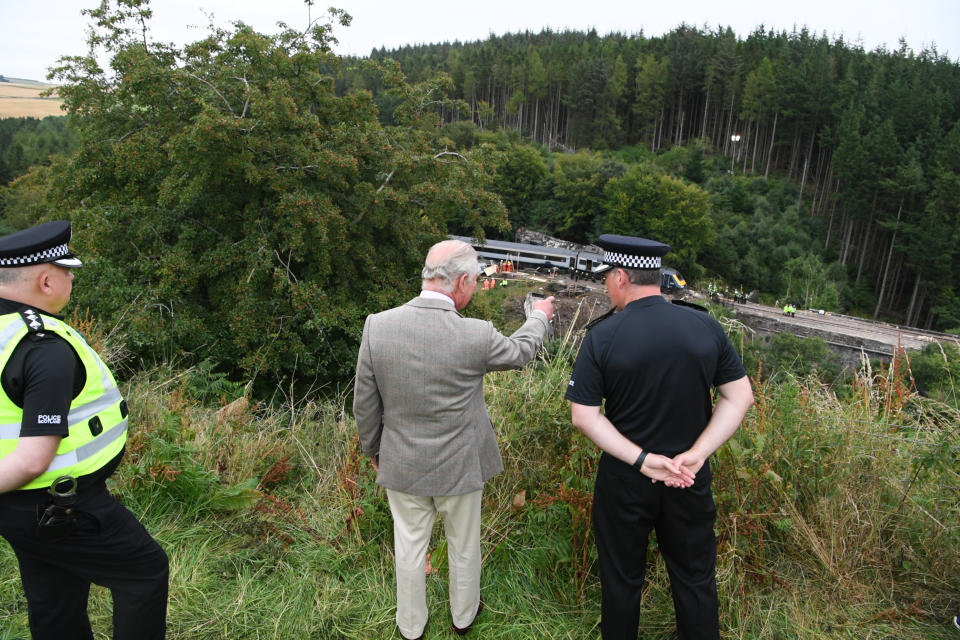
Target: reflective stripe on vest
x,y
76,416
88,450
87,447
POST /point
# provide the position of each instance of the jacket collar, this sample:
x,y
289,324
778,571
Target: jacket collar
x,y
432,303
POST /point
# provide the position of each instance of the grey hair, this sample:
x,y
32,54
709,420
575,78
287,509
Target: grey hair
x,y
11,275
462,259
643,276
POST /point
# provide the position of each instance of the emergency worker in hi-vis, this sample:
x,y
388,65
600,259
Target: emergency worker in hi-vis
x,y
63,425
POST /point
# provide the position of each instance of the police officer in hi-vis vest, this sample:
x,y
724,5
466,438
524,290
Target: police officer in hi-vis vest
x,y
63,425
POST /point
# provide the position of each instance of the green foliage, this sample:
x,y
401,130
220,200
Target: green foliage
x,y
859,138
808,282
27,142
578,182
661,207
834,516
521,182
936,372
231,207
759,232
788,355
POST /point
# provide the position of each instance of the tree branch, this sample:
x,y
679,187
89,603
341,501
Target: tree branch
x,y
216,91
450,153
247,102
389,175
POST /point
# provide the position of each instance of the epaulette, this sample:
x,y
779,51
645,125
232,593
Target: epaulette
x,y
600,318
692,305
33,321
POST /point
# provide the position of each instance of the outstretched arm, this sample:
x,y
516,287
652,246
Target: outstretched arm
x,y
593,424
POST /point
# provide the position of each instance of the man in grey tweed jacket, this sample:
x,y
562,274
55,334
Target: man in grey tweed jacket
x,y
422,419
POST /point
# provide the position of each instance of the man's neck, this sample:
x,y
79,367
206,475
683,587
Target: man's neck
x,y
637,292
437,295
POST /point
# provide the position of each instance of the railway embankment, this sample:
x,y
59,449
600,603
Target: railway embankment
x,y
850,337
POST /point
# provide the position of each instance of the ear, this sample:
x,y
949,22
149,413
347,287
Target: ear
x,y
617,276
43,281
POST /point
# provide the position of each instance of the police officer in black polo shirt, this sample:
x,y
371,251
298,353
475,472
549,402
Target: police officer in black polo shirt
x,y
63,426
653,365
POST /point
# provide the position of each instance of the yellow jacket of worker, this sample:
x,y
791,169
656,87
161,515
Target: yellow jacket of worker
x,y
98,415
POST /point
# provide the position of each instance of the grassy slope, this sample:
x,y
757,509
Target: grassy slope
x,y
827,530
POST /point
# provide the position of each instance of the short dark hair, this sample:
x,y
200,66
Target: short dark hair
x,y
643,276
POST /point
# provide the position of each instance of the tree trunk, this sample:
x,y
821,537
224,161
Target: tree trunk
x,y
826,244
706,111
912,310
886,267
773,134
803,179
864,249
848,231
897,282
726,141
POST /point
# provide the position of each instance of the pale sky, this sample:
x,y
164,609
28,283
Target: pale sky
x,y
36,32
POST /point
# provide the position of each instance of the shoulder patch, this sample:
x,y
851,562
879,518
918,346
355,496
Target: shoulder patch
x,y
33,321
600,318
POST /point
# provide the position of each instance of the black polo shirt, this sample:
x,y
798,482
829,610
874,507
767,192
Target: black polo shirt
x,y
655,363
43,376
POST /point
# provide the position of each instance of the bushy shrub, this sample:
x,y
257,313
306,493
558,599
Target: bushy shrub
x,y
936,372
787,354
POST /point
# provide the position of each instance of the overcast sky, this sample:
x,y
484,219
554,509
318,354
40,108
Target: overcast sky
x,y
37,32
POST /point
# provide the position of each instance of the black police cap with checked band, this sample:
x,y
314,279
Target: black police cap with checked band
x,y
630,252
43,243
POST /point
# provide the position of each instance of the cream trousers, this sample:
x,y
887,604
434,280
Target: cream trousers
x,y
413,518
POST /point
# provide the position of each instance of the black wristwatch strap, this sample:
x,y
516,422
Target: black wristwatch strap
x,y
640,458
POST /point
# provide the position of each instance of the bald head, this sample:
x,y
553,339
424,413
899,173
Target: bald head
x,y
446,262
46,286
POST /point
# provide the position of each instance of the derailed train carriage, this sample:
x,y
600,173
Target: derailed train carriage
x,y
578,263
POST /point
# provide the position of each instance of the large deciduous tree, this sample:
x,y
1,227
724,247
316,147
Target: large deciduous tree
x,y
664,208
230,205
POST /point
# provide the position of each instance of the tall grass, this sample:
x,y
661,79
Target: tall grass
x,y
838,515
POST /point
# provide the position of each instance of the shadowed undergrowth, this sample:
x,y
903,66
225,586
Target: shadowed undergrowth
x,y
838,515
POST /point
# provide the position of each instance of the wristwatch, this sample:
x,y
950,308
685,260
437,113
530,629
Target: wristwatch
x,y
639,462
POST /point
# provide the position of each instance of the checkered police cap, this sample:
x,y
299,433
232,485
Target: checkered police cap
x,y
631,262
629,252
38,245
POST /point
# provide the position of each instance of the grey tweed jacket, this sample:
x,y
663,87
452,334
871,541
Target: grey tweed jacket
x,y
418,397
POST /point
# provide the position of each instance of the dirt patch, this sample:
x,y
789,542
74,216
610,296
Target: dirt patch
x,y
576,302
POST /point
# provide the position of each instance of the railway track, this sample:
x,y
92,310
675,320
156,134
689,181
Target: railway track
x,y
842,330
876,339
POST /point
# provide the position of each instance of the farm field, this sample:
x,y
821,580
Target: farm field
x,y
23,100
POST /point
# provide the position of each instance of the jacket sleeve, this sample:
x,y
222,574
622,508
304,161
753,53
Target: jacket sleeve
x,y
519,348
367,403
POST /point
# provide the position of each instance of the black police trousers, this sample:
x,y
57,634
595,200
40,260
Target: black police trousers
x,y
626,507
108,547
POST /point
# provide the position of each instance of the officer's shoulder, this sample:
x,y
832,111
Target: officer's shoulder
x,y
691,305
596,321
694,313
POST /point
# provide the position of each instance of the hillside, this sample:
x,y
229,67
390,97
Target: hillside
x,y
23,99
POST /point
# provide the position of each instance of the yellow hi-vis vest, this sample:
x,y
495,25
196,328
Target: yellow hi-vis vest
x,y
98,415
